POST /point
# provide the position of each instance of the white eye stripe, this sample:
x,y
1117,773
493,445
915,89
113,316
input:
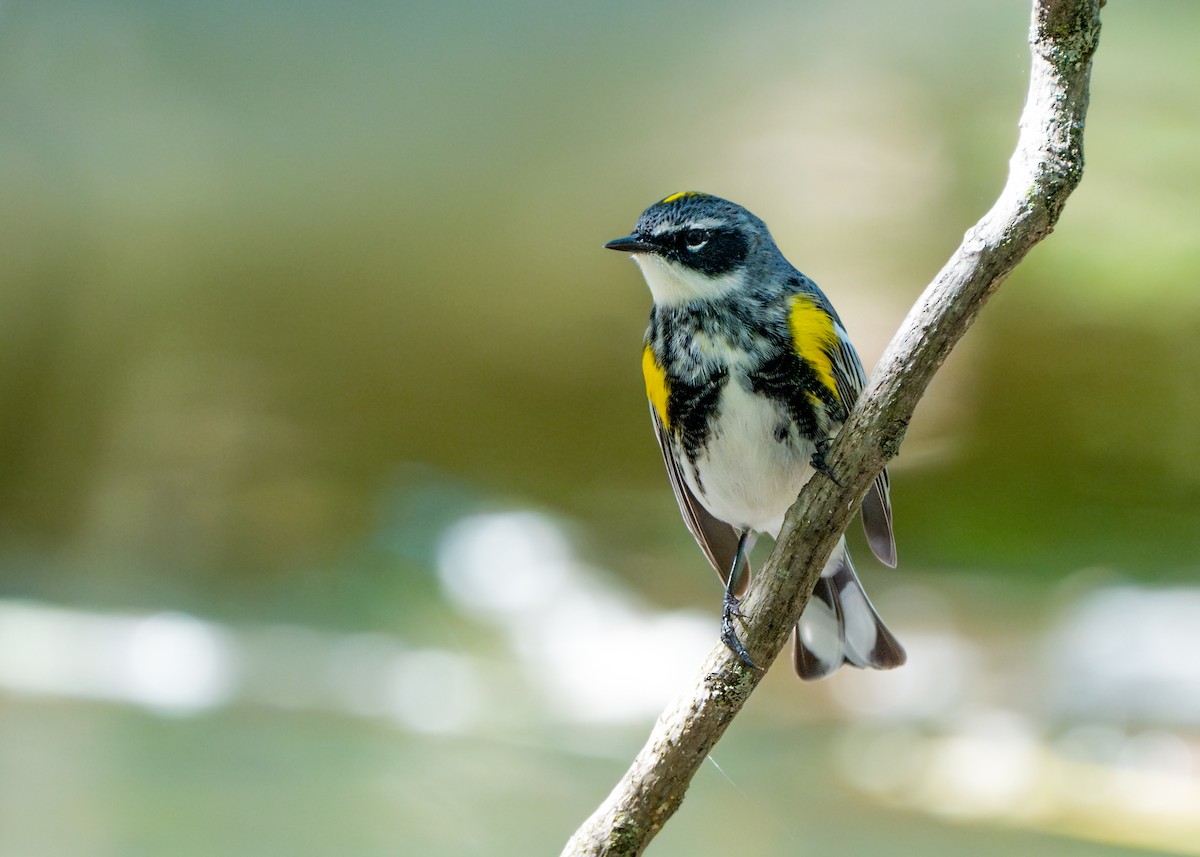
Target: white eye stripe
x,y
700,223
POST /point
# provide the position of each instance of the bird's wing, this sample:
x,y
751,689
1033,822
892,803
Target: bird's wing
x,y
717,539
850,379
877,520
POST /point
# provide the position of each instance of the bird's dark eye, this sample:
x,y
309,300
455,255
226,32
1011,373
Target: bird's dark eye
x,y
695,239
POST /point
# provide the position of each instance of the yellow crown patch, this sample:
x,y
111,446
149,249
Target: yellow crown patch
x,y
683,194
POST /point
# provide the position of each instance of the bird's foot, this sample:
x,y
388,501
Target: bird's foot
x,y
820,464
731,609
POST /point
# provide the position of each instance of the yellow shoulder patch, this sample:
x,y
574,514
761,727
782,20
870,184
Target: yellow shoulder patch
x,y
683,194
813,338
657,389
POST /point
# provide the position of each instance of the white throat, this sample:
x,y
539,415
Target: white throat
x,y
672,284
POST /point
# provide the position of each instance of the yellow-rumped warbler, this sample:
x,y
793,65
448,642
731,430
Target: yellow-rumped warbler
x,y
749,373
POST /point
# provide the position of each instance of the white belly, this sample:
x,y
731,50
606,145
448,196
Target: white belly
x,y
748,476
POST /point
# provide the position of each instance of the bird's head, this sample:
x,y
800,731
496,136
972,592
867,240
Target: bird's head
x,y
692,246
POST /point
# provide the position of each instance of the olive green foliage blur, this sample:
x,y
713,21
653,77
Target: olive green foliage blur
x,y
258,262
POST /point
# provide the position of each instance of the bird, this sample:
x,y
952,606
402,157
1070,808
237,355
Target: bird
x,y
749,373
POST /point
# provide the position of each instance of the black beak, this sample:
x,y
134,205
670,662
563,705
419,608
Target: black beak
x,y
630,244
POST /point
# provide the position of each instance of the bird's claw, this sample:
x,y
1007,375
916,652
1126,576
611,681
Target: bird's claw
x,y
732,609
820,464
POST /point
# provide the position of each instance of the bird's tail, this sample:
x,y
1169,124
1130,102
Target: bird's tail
x,y
839,625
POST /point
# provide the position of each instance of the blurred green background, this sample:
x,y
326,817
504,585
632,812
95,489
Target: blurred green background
x,y
303,303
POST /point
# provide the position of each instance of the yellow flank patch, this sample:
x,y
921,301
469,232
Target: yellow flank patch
x,y
656,384
814,339
682,194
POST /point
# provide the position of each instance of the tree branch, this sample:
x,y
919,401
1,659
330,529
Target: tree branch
x,y
1044,169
